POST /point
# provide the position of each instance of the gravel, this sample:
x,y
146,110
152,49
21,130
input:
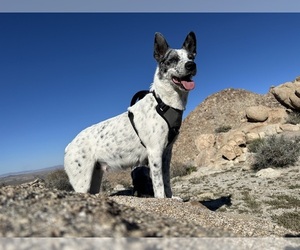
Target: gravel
x,y
32,210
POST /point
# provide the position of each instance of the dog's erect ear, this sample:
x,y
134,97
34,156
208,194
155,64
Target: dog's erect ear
x,y
160,46
190,44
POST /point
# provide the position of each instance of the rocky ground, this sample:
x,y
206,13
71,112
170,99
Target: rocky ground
x,y
271,195
231,202
236,199
33,210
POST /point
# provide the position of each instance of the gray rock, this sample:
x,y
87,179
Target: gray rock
x,y
268,173
257,114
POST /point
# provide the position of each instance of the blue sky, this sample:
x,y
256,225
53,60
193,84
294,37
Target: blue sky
x,y
60,73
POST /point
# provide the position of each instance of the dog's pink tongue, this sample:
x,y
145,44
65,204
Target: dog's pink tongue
x,y
188,85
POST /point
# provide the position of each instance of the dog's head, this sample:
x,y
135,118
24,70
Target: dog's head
x,y
176,65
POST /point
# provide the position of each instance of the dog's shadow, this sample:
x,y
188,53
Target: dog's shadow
x,y
126,192
215,204
130,192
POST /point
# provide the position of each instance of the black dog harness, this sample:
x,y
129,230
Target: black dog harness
x,y
172,116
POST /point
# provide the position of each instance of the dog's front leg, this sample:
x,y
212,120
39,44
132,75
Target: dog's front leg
x,y
155,164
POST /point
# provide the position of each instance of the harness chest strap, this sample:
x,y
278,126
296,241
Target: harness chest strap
x,y
172,116
130,115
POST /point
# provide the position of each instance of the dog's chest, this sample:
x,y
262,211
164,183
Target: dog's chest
x,y
172,116
151,127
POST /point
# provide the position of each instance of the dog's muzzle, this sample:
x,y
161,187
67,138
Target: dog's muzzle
x,y
186,82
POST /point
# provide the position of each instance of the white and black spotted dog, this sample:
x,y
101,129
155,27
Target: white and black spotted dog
x,y
142,135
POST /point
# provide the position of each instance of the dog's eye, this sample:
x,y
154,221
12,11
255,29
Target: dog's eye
x,y
191,56
172,60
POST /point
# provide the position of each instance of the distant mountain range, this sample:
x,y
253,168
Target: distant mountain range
x,y
26,176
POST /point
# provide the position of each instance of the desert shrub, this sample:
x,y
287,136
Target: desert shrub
x,y
254,145
222,129
181,170
289,220
58,179
277,151
106,186
177,170
250,201
284,201
293,118
190,169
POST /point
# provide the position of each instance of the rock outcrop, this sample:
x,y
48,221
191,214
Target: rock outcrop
x,y
250,116
288,94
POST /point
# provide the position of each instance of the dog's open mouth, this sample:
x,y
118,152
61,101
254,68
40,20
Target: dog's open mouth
x,y
185,82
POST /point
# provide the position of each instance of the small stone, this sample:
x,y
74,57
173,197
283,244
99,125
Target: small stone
x,y
119,187
289,127
251,137
228,152
268,173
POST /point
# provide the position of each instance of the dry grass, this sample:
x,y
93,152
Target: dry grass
x,y
284,201
289,220
296,186
293,118
250,201
254,145
178,170
58,179
222,129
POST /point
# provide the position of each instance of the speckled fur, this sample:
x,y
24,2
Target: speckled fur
x,y
113,143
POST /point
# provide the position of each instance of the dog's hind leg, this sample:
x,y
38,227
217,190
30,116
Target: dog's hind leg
x,y
96,178
166,171
80,169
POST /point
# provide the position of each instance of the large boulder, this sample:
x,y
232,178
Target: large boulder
x,y
257,113
277,115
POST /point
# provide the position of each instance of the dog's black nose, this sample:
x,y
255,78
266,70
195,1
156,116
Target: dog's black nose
x,y
190,66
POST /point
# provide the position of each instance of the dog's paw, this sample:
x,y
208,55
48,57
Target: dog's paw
x,y
177,198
